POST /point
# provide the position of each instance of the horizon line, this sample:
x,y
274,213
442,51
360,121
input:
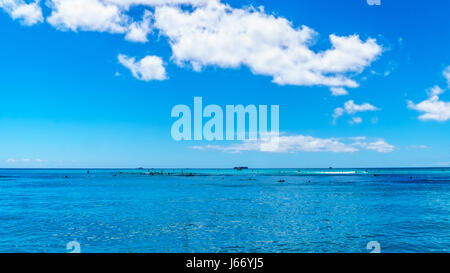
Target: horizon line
x,y
210,168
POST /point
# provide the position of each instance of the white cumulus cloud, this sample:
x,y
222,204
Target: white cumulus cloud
x,y
219,35
28,13
302,143
138,31
211,33
350,107
432,108
338,91
147,69
87,15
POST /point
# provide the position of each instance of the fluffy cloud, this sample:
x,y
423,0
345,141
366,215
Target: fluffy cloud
x,y
380,146
447,75
219,35
106,16
100,15
351,108
432,108
147,69
87,15
28,13
138,31
301,143
210,33
338,91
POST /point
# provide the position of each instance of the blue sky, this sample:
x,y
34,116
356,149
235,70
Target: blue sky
x,y
67,100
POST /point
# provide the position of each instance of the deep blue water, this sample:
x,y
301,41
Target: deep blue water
x,y
405,210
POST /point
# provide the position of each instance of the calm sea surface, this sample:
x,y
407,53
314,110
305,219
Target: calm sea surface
x,y
328,210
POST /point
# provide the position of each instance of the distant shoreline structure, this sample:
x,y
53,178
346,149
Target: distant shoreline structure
x,y
255,172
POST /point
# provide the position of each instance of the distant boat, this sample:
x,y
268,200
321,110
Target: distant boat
x,y
241,168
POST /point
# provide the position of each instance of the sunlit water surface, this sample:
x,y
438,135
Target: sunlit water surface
x,y
405,210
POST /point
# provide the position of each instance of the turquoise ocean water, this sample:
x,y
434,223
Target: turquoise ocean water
x,y
225,210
